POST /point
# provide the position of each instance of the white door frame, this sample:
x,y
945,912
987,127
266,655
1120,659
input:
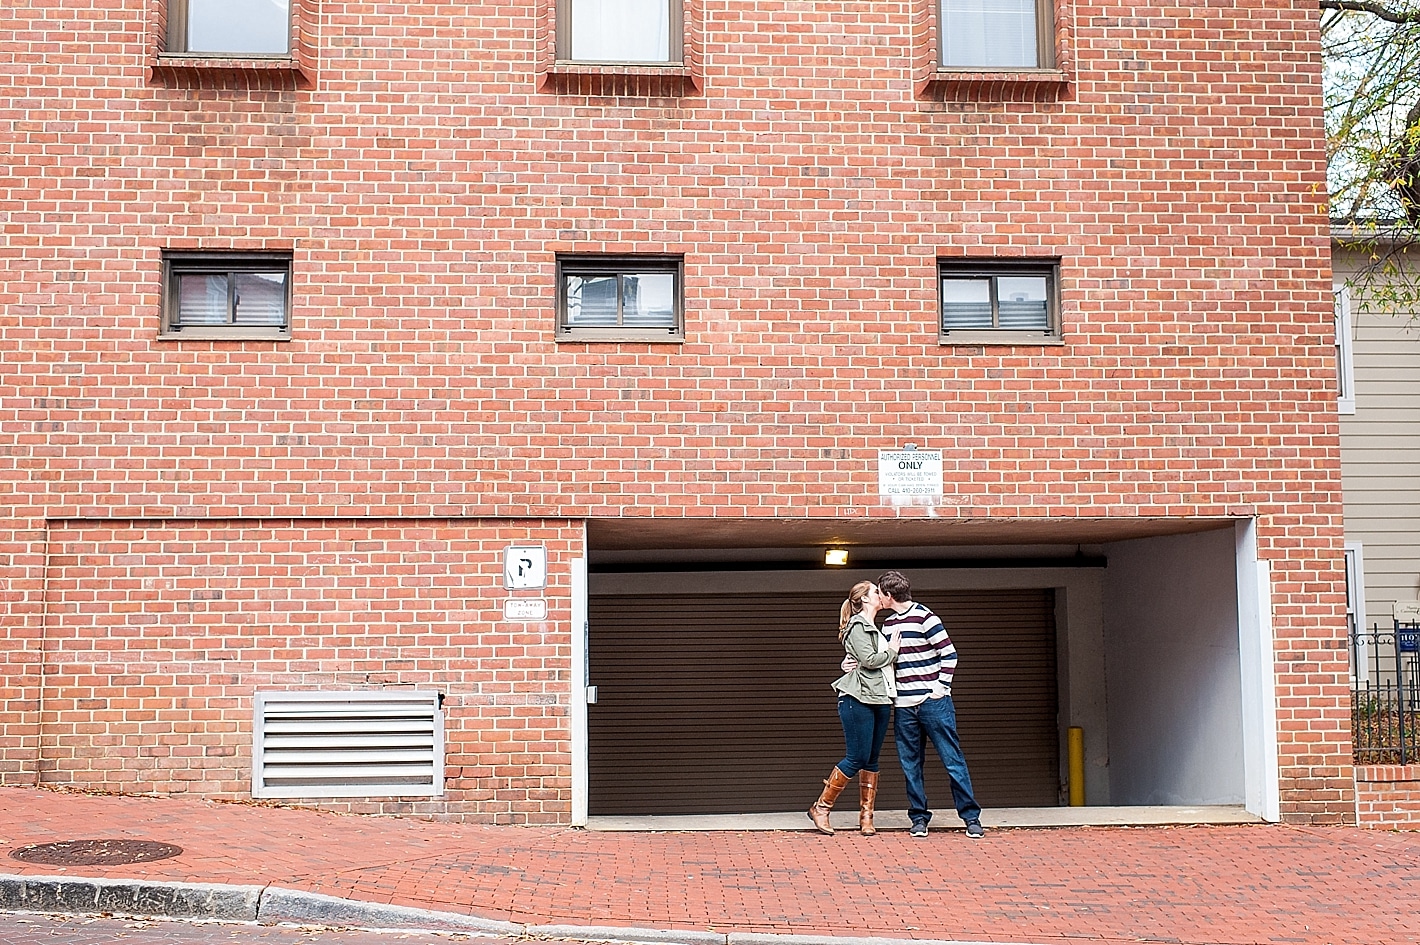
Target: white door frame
x,y
577,697
1258,663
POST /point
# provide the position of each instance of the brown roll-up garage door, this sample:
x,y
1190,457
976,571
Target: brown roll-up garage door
x,y
719,704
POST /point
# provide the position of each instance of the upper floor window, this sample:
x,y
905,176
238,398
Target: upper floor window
x,y
227,295
619,298
997,34
1345,359
999,303
619,31
230,27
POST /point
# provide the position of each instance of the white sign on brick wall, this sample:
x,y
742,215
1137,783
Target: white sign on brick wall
x,y
524,567
910,475
524,609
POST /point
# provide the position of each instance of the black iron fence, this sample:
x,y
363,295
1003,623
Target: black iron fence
x,y
1385,695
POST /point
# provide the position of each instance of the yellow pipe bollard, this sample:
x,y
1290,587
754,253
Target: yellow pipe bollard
x,y
1075,747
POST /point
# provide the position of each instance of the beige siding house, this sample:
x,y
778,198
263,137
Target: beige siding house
x,y
1379,367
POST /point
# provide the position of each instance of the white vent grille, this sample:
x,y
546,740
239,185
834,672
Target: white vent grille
x,y
386,743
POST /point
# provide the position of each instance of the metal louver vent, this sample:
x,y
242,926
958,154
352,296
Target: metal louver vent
x,y
387,743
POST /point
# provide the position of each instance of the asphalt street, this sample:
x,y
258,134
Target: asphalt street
x,y
33,929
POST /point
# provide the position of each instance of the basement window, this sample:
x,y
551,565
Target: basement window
x,y
999,303
619,298
227,295
383,743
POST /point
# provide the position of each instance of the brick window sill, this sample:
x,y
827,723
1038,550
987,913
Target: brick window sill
x,y
1025,85
628,338
266,72
986,339
580,78
221,334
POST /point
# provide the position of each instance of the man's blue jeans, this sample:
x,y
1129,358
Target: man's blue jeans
x,y
934,720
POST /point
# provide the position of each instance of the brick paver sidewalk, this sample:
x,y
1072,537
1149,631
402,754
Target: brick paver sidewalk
x,y
1215,885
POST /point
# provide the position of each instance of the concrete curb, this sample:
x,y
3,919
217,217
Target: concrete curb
x,y
67,895
302,908
626,936
772,938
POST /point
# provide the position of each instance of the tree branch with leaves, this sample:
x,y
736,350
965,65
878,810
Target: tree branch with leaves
x,y
1371,57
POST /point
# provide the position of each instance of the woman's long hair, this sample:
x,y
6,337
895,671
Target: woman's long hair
x,y
851,606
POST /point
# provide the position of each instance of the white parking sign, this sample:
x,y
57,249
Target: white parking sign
x,y
524,567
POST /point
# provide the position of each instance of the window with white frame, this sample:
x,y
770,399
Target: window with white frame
x,y
229,27
998,302
997,34
1345,363
227,295
620,31
619,298
1356,608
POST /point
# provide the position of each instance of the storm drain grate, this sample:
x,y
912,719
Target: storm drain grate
x,y
95,852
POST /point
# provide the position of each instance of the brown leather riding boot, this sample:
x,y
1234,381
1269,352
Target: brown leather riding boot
x,y
833,787
867,798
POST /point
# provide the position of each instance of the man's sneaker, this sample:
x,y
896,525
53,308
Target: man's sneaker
x,y
974,830
918,830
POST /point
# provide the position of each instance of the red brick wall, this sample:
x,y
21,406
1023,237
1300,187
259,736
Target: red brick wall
x,y
423,175
1388,796
22,565
160,633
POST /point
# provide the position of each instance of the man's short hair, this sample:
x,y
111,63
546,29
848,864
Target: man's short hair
x,y
895,585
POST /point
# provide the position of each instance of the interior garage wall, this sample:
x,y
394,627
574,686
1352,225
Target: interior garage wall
x,y
1174,678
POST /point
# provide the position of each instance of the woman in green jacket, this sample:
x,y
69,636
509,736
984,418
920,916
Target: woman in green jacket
x,y
865,697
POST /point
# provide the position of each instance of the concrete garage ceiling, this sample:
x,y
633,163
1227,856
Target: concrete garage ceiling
x,y
1008,537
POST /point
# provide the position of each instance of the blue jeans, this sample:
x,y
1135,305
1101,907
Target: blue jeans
x,y
864,729
913,727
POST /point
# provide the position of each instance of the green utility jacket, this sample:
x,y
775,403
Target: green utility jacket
x,y
872,682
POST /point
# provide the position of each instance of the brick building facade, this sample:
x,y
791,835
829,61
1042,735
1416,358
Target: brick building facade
x,y
206,503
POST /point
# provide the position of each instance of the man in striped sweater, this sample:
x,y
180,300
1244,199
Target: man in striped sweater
x,y
924,712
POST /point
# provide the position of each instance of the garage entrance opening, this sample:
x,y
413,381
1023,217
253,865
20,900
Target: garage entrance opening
x,y
712,646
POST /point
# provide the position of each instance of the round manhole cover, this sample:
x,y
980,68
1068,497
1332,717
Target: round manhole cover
x,y
95,852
